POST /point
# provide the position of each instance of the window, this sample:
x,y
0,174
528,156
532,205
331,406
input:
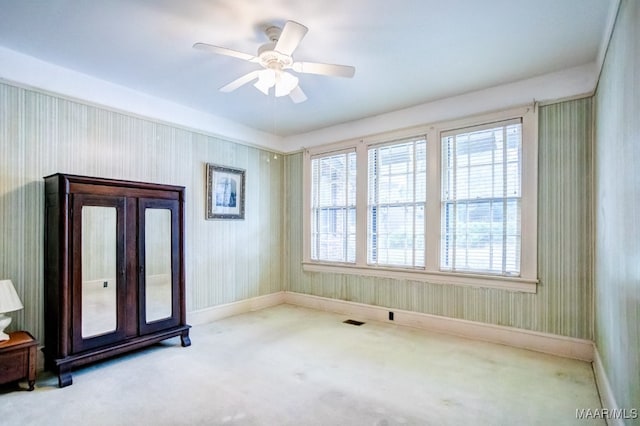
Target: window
x,y
481,199
449,203
397,194
333,212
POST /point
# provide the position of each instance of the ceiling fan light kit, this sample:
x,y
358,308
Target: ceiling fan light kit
x,y
275,57
283,82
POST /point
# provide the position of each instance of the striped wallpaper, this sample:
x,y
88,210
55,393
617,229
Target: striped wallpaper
x,y
563,303
617,155
41,134
228,261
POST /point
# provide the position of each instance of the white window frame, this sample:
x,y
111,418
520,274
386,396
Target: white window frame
x,y
415,204
346,205
525,282
456,198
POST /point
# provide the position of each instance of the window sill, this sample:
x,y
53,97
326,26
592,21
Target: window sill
x,y
435,277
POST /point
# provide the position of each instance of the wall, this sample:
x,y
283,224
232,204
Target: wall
x,y
617,249
563,303
41,134
228,261
33,72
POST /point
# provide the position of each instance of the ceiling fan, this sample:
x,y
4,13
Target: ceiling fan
x,y
276,58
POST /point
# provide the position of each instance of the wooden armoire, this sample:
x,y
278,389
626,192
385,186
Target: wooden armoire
x,y
113,269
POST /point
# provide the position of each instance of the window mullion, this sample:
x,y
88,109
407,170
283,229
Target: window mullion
x,y
345,214
493,195
504,199
362,208
413,216
451,199
433,210
451,239
316,207
376,201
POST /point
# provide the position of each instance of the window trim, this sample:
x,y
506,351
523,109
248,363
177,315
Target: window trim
x,y
347,207
470,201
526,282
421,139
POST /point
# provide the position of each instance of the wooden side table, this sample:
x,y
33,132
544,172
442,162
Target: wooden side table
x,y
18,358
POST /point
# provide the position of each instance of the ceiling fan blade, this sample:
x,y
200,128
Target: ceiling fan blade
x,y
324,69
297,95
240,82
224,51
290,38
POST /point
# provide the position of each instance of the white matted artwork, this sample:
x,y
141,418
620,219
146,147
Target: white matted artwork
x,y
225,192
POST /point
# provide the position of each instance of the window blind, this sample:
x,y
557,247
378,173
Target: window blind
x,y
333,209
481,199
397,177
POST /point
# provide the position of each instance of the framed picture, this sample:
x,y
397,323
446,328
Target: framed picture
x,y
225,192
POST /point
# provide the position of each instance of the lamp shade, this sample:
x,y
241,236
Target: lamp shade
x,y
9,300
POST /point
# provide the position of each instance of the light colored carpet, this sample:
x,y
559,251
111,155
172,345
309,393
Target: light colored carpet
x,y
288,365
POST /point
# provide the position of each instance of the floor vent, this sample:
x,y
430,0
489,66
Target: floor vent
x,y
353,322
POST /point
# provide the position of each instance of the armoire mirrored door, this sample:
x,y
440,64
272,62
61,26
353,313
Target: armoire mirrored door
x,y
158,239
98,289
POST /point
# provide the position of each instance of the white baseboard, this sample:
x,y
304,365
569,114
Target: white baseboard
x,y
541,342
607,399
214,313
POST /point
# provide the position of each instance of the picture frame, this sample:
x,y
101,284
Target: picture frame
x,y
225,192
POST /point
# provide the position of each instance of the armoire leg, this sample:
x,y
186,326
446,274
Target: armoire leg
x,y
184,338
64,376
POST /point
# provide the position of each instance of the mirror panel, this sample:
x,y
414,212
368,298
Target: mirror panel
x,y
158,271
99,270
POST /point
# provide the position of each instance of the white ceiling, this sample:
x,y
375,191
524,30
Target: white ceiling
x,y
406,53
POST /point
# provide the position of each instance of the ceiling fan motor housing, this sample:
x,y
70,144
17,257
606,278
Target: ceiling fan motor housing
x,y
270,58
273,33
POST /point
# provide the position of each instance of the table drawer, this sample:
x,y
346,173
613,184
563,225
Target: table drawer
x,y
13,366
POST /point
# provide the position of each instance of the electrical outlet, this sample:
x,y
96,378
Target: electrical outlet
x,y
390,316
105,284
